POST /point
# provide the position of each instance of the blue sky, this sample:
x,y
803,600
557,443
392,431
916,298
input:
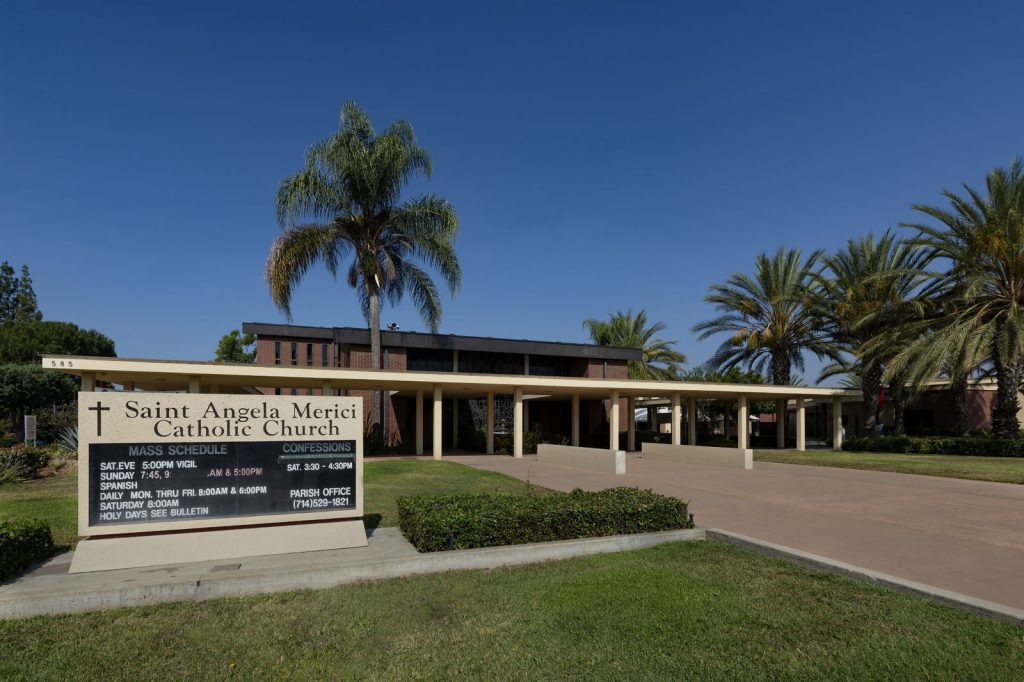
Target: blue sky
x,y
601,156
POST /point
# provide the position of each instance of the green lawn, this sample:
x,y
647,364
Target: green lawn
x,y
54,499
1001,469
694,610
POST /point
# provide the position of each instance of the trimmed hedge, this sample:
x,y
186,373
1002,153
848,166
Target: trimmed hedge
x,y
938,445
23,543
466,520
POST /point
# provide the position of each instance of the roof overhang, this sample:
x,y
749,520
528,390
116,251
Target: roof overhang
x,y
175,375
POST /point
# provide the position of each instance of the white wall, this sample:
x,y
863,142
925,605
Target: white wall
x,y
733,458
590,459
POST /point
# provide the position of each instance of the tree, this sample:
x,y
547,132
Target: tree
x,y
768,317
868,287
8,291
236,347
626,330
26,341
26,307
981,237
346,202
24,388
710,411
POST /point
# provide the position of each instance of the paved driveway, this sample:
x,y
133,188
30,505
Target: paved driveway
x,y
965,536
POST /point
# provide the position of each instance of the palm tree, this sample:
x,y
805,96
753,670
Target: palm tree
x,y
866,289
768,317
982,238
346,203
626,330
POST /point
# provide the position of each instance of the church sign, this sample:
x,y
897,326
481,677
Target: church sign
x,y
156,462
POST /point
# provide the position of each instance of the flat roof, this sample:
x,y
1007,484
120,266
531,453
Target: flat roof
x,y
174,375
399,339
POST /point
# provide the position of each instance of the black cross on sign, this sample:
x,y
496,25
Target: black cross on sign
x,y
99,410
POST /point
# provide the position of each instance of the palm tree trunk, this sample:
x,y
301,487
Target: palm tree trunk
x,y
958,388
375,359
871,383
1004,414
780,369
899,409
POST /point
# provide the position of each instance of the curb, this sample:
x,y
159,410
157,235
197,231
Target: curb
x,y
213,586
957,600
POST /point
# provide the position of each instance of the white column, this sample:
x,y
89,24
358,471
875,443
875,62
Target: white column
x,y
575,419
613,421
325,388
517,423
631,424
490,422
837,423
419,422
88,381
526,416
438,424
780,424
455,422
691,422
801,425
193,385
677,420
742,423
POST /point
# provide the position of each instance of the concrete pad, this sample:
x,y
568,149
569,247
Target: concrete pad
x,y
958,535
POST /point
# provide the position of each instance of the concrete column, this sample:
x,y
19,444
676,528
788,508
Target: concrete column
x,y
742,423
837,423
631,424
677,420
325,388
419,422
193,385
438,424
490,422
576,420
517,423
455,422
526,416
780,424
613,421
801,425
88,381
691,422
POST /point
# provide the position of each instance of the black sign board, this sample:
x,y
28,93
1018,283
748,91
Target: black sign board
x,y
160,482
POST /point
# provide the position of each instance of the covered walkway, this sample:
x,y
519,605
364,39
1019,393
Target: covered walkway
x,y
965,536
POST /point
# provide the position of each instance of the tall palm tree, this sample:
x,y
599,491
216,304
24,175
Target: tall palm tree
x,y
867,287
982,238
626,330
346,202
768,317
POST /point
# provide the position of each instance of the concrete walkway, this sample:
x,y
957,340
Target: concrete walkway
x,y
964,536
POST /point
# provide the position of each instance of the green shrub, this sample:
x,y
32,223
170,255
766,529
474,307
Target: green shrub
x,y
938,445
466,520
23,543
21,461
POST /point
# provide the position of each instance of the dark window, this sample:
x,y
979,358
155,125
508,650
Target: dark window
x,y
277,391
309,355
295,354
484,362
550,366
429,360
323,359
277,352
295,391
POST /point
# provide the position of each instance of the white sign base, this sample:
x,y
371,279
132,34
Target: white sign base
x,y
161,549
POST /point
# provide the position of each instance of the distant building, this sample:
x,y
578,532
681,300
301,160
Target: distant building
x,y
349,347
